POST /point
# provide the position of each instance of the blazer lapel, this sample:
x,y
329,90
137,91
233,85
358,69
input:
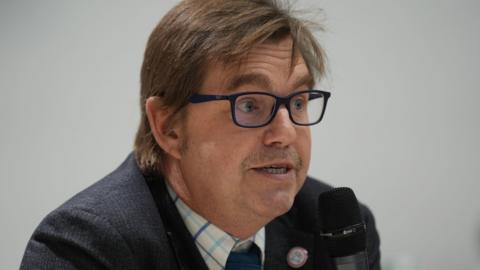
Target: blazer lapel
x,y
186,253
281,237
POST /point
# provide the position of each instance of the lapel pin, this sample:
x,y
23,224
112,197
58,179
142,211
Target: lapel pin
x,y
297,257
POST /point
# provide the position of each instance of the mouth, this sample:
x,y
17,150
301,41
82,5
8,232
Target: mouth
x,y
277,169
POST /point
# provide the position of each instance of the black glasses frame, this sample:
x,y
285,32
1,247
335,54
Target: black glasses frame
x,y
279,101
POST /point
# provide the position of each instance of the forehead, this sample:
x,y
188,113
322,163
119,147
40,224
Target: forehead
x,y
269,65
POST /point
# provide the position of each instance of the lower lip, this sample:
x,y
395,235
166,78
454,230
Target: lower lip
x,y
289,175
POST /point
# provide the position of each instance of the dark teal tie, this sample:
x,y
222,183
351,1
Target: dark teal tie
x,y
249,260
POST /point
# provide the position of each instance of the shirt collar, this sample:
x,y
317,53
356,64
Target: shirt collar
x,y
213,243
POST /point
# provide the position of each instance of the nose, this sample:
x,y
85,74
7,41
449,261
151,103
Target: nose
x,y
281,131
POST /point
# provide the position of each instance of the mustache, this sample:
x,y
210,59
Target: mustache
x,y
273,154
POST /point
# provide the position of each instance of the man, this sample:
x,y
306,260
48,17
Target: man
x,y
218,177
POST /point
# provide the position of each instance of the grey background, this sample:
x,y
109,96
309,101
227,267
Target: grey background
x,y
402,128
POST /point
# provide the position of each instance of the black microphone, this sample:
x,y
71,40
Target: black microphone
x,y
343,229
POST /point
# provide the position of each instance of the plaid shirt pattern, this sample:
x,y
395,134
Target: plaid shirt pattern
x,y
213,243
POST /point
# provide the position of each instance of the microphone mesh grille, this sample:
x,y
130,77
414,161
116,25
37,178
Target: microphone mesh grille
x,y
338,209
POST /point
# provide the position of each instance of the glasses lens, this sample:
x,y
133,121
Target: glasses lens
x,y
306,108
253,109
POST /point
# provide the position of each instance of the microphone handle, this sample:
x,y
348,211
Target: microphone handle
x,y
357,261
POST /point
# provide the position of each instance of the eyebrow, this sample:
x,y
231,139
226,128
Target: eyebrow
x,y
264,82
249,78
306,79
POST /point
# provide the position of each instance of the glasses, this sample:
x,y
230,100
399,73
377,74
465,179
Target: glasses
x,y
257,109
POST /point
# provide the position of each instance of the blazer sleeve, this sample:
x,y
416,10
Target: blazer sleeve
x,y
76,239
373,239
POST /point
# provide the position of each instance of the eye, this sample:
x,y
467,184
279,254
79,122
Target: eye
x,y
299,104
247,105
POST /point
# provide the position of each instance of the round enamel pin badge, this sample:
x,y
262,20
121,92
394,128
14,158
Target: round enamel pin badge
x,y
297,257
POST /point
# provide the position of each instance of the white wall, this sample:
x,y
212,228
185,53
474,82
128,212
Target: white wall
x,y
402,128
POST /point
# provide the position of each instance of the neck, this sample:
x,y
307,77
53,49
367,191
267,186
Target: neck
x,y
238,226
240,223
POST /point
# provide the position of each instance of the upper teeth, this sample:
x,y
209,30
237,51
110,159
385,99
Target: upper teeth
x,y
272,169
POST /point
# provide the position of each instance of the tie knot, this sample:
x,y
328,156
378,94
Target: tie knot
x,y
247,260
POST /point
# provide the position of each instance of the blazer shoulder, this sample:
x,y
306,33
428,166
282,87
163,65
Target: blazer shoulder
x,y
115,217
121,195
76,239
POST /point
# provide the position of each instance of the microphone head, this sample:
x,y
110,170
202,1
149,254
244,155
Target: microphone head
x,y
341,222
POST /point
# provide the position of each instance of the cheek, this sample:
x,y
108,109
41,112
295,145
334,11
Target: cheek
x,y
223,153
212,133
212,170
217,155
213,148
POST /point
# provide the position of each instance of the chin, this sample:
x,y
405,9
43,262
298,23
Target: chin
x,y
277,205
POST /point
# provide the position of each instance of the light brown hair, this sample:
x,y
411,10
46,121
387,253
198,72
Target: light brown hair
x,y
197,32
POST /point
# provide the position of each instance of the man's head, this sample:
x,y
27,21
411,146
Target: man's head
x,y
229,174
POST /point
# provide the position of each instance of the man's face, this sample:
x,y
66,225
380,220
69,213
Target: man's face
x,y
226,169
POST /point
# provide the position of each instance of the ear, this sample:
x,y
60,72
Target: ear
x,y
163,128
